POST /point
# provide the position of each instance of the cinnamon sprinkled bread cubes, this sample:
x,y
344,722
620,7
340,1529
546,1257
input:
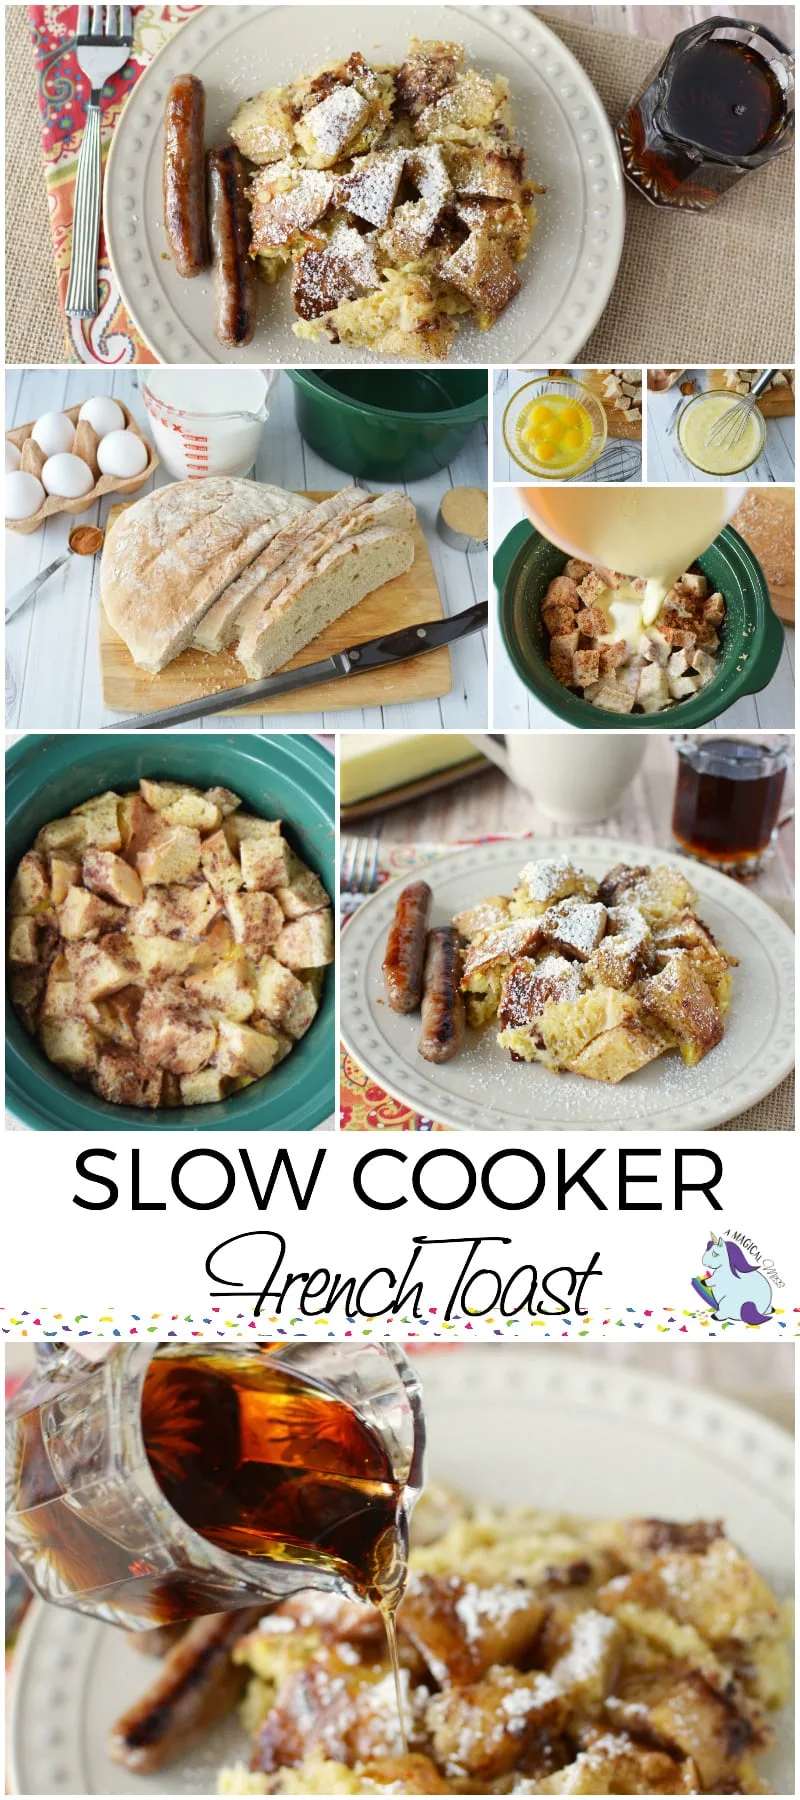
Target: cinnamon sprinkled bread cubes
x,y
395,194
596,978
620,651
166,948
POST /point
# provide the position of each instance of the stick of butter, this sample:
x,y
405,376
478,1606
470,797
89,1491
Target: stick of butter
x,y
374,762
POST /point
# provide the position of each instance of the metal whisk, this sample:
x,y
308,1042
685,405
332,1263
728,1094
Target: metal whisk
x,y
729,430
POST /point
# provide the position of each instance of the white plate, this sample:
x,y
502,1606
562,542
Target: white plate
x,y
511,1424
482,1089
237,50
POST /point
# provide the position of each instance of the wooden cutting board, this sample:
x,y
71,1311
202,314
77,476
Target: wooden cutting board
x,y
766,520
777,404
618,425
408,600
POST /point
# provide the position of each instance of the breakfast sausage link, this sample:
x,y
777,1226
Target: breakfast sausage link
x,y
443,1017
405,948
184,175
232,273
197,1684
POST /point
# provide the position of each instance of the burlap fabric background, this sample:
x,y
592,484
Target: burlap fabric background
x,y
715,287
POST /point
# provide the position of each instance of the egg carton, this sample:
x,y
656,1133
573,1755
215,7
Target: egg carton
x,y
105,484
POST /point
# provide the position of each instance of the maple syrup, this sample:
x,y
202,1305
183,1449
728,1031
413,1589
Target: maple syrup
x,y
268,1465
719,106
727,800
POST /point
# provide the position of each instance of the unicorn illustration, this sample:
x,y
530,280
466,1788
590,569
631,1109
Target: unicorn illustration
x,y
735,1288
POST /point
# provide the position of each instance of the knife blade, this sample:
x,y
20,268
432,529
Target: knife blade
x,y
377,653
26,593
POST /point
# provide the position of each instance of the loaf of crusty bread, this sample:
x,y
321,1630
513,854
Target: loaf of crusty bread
x,y
344,574
167,558
219,626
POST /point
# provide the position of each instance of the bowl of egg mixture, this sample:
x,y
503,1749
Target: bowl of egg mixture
x,y
717,442
555,429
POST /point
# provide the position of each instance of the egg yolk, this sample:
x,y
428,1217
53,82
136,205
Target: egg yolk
x,y
554,430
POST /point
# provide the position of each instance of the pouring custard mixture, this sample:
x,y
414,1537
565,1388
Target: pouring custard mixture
x,y
647,638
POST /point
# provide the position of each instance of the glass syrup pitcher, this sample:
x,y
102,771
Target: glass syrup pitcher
x,y
174,1480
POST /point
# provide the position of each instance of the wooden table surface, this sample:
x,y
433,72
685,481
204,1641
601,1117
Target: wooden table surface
x,y
666,462
515,709
52,663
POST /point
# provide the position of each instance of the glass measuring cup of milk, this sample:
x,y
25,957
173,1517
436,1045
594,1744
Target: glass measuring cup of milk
x,y
207,421
652,532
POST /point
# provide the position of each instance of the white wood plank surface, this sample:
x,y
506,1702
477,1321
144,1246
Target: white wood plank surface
x,y
515,709
52,662
666,461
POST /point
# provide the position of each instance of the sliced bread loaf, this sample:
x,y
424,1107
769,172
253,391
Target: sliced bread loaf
x,y
392,511
167,558
219,626
343,575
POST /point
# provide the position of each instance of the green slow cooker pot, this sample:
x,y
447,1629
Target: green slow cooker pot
x,y
389,424
286,777
752,636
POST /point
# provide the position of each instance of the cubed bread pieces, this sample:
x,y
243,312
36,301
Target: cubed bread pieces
x,y
195,810
204,1088
124,1080
266,862
139,825
160,794
173,858
101,822
243,1051
102,968
306,943
112,877
175,1031
83,914
221,868
23,940
30,887
227,988
124,964
163,955
63,834
303,893
69,1043
256,921
224,799
283,999
26,988
65,873
175,910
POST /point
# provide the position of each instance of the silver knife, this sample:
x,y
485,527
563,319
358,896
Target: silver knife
x,y
378,653
26,593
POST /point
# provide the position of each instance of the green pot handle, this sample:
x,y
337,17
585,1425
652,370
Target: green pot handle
x,y
763,665
505,553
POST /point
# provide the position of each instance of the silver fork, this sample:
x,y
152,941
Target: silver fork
x,y
101,52
358,872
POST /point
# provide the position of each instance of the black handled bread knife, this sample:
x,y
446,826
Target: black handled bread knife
x,y
378,653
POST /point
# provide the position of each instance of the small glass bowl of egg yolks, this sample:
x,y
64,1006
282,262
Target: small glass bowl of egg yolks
x,y
554,429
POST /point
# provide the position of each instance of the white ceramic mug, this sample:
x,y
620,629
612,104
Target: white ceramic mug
x,y
575,779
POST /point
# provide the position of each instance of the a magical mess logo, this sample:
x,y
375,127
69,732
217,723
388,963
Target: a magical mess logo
x,y
737,1281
